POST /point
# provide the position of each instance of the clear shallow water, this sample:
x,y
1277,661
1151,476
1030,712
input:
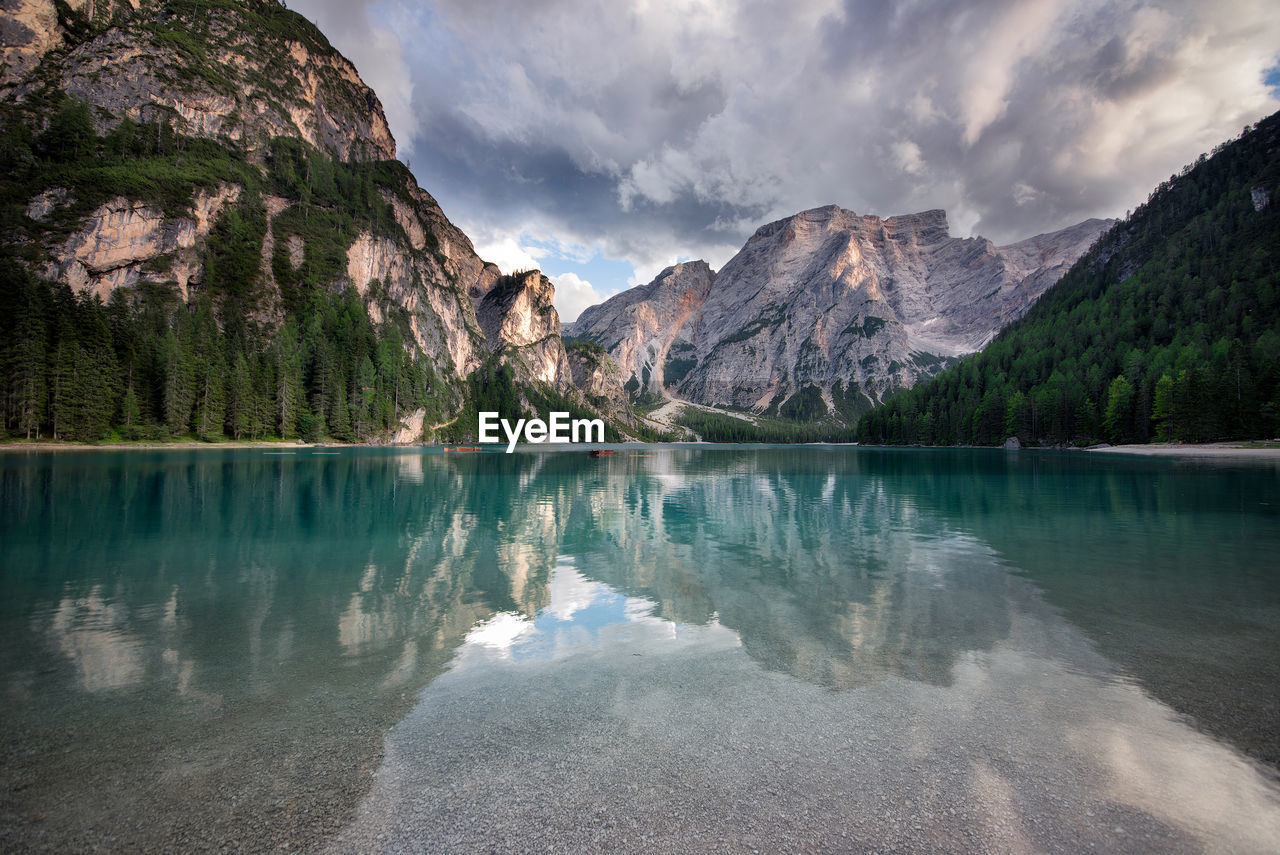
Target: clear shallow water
x,y
674,648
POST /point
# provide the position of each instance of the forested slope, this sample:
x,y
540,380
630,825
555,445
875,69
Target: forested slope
x,y
227,360
1168,328
204,232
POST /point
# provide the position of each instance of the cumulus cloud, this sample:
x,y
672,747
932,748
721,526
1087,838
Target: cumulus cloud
x,y
504,249
573,294
654,132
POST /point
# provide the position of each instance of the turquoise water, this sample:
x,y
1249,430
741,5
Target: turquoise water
x,y
673,649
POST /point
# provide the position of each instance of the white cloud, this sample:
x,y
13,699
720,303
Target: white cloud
x,y
999,44
1024,193
500,247
908,157
573,295
556,247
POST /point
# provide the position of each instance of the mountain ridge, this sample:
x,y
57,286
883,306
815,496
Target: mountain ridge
x,y
850,306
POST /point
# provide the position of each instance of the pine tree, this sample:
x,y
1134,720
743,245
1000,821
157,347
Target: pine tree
x,y
209,371
1118,416
240,404
339,416
179,384
130,413
288,385
70,135
98,375
66,357
364,393
1162,408
25,370
1017,420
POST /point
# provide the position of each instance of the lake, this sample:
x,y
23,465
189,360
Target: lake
x,y
677,648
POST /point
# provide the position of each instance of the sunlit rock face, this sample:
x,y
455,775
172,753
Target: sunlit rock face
x,y
639,327
520,321
852,306
28,30
122,239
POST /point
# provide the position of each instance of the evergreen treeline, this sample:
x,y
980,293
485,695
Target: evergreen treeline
x,y
715,427
155,368
1167,329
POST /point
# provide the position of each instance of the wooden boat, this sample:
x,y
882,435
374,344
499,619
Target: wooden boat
x,y
602,452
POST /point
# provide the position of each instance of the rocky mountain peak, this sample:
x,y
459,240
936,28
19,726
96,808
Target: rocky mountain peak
x,y
847,306
926,227
239,73
519,309
640,327
520,323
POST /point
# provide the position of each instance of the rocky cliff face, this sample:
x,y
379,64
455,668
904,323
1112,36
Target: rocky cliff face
x,y
599,380
244,76
520,324
28,30
640,327
121,240
844,307
240,75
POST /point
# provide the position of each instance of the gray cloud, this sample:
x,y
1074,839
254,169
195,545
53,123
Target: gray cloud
x,y
652,131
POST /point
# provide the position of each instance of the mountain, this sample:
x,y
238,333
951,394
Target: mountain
x,y
206,217
825,312
1168,328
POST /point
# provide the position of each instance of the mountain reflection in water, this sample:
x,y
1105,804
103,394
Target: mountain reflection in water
x,y
269,617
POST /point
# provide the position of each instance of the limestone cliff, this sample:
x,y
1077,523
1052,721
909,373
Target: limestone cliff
x,y
521,325
241,73
121,239
639,328
847,307
599,380
28,30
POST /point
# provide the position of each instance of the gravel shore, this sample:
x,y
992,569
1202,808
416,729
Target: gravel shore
x,y
1035,746
1225,450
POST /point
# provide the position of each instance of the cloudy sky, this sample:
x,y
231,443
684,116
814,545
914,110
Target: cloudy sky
x,y
602,141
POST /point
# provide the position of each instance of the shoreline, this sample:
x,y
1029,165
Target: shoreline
x,y
1242,449
181,445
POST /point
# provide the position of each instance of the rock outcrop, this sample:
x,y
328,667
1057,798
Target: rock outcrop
x,y
28,30
599,380
410,430
124,241
521,325
238,75
847,307
639,328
